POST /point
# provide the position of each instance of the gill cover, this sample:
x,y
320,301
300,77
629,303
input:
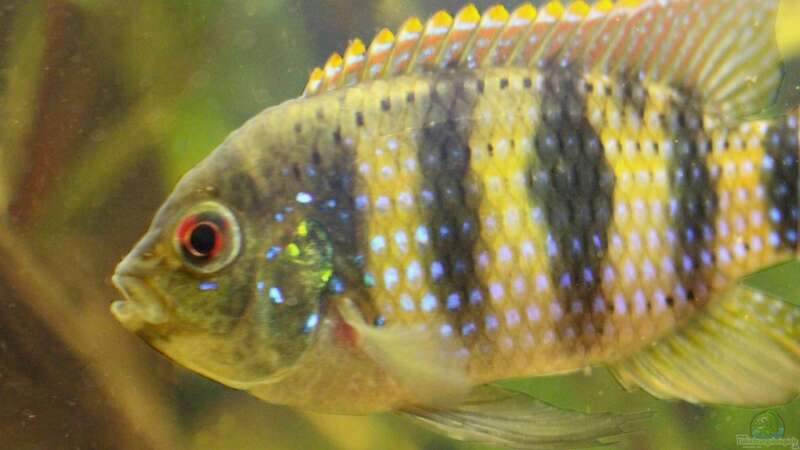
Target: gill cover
x,y
295,284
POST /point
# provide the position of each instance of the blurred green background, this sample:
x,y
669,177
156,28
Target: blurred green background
x,y
103,105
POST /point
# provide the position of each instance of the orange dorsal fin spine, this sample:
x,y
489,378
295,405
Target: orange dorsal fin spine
x,y
725,51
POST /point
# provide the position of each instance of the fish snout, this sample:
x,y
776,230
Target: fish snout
x,y
142,261
142,304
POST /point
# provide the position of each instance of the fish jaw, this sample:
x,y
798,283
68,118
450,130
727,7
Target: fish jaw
x,y
142,303
141,306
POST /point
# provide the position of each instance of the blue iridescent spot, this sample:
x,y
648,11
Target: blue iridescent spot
x,y
208,286
273,253
453,301
390,278
406,302
369,280
280,217
383,203
304,198
428,302
359,260
775,215
337,285
260,286
475,297
706,258
552,246
331,203
708,233
688,264
566,280
276,295
311,323
446,330
577,246
588,276
378,244
444,231
497,291
768,163
362,202
491,322
468,329
437,270
401,240
421,235
380,321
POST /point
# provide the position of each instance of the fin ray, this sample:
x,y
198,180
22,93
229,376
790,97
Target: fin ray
x,y
743,351
422,361
492,415
726,52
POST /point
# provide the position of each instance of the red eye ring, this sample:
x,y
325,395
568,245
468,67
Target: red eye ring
x,y
201,239
207,238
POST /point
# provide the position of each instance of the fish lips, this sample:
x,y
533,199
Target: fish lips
x,y
142,305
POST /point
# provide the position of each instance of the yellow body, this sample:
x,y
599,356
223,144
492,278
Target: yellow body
x,y
537,332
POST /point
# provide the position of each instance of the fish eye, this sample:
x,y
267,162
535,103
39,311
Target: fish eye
x,y
207,237
202,239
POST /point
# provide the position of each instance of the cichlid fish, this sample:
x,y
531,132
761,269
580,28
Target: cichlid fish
x,y
505,195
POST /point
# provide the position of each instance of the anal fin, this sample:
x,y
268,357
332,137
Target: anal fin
x,y
496,416
744,350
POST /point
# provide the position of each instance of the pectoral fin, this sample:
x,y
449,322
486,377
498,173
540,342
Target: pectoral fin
x,y
496,416
424,362
743,350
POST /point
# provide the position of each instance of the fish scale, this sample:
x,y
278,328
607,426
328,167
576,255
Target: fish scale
x,y
559,329
563,325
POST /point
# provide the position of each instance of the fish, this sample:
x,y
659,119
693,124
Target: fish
x,y
493,196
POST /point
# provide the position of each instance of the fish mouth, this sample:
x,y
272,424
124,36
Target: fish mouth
x,y
142,303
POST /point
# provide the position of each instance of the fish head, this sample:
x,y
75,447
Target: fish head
x,y
221,290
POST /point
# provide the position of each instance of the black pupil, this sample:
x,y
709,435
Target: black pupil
x,y
203,239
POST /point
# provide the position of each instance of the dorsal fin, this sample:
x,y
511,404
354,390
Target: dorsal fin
x,y
724,51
